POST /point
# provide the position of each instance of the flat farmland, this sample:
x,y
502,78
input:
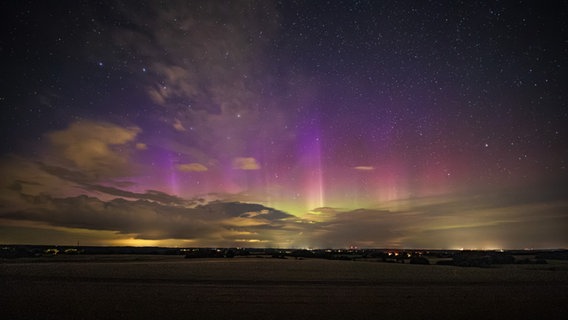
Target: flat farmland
x,y
170,287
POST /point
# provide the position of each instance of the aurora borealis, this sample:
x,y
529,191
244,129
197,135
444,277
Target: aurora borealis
x,y
426,124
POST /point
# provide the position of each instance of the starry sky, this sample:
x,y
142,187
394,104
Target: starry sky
x,y
298,124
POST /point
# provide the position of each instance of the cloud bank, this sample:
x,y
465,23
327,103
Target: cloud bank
x,y
485,221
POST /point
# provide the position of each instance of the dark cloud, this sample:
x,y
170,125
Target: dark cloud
x,y
362,227
147,219
17,185
424,223
483,220
85,182
65,174
152,195
245,210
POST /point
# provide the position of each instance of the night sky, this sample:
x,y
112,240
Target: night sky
x,y
309,124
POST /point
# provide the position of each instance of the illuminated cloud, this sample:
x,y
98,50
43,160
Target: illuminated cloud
x,y
178,125
250,240
364,168
93,147
141,146
191,167
245,164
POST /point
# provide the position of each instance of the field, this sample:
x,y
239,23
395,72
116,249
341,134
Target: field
x,y
170,287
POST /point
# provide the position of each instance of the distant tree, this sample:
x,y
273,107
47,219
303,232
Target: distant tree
x,y
400,258
229,253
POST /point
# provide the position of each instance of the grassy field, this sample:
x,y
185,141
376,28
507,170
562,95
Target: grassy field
x,y
170,287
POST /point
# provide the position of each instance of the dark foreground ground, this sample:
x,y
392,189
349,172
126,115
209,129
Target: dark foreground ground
x,y
144,287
